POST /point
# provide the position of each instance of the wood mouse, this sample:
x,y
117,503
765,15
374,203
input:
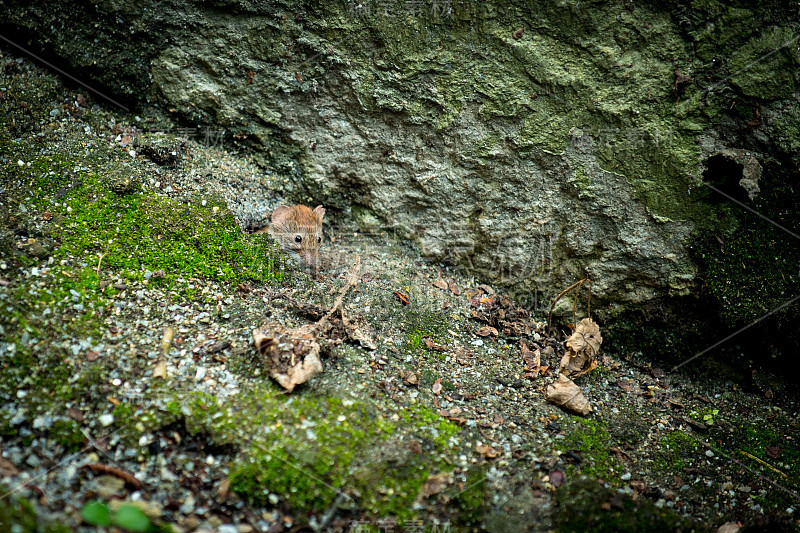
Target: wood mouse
x,y
298,230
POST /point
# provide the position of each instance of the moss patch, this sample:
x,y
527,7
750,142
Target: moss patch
x,y
584,505
19,516
766,67
676,452
590,438
773,451
307,449
139,232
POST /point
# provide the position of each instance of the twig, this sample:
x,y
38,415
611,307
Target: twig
x,y
114,471
575,301
352,281
578,284
98,263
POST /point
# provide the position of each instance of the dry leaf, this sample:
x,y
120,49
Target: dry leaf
x,y
290,356
729,527
556,478
436,484
409,377
626,385
433,346
485,331
440,283
7,468
533,359
454,288
575,365
471,293
437,386
582,348
486,451
585,338
565,393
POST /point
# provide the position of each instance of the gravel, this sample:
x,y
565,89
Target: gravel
x,y
183,475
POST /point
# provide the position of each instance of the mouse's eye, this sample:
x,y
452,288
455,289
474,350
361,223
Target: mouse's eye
x,y
298,239
319,239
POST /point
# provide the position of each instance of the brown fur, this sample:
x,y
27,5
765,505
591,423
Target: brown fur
x,y
290,222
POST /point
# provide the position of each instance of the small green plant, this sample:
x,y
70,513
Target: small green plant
x,y
708,418
127,517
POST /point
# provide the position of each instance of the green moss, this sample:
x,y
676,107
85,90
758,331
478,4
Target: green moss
x,y
471,501
306,449
582,178
19,516
68,434
137,232
420,323
584,505
766,67
751,445
677,451
590,438
123,413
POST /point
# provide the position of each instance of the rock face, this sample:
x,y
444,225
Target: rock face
x,y
535,143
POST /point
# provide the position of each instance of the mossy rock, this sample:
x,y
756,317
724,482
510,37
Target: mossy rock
x,y
767,66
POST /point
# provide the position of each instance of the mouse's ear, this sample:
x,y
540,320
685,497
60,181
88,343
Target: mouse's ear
x,y
320,212
281,214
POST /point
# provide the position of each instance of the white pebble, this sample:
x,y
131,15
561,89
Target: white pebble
x,y
106,419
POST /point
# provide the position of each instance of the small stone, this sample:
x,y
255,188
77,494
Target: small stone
x,y
201,373
42,422
626,476
227,528
190,522
106,419
109,486
709,453
188,505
